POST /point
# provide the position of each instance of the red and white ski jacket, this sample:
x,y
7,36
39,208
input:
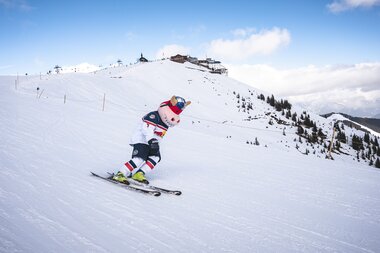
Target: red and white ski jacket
x,y
151,127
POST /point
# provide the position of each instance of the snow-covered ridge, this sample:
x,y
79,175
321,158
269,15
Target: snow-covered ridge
x,y
237,196
80,68
340,117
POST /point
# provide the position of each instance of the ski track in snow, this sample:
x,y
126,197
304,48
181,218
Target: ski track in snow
x,y
236,197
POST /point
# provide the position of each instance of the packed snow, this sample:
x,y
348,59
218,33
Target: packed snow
x,y
237,197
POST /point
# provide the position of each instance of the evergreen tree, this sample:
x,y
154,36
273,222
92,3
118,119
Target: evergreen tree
x,y
288,114
357,142
277,106
272,101
376,142
313,137
341,136
287,105
366,137
300,130
307,121
294,117
337,145
377,164
320,133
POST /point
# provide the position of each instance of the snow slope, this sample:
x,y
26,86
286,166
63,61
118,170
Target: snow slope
x,y
236,197
340,117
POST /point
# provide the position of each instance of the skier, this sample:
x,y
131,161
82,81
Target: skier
x,y
146,139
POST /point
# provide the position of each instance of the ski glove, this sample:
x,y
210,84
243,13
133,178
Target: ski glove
x,y
153,144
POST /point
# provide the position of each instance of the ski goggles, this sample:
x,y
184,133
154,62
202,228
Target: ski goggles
x,y
181,103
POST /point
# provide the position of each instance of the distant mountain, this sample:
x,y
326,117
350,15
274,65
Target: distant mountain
x,y
371,123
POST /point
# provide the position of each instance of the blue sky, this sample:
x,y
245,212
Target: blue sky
x,y
44,33
281,35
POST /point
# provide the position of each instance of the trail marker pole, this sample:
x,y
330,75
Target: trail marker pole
x,y
104,101
331,144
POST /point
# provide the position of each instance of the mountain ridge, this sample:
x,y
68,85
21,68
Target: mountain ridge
x,y
372,123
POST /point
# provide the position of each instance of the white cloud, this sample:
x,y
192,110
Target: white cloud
x,y
243,32
170,50
355,102
344,5
262,43
350,88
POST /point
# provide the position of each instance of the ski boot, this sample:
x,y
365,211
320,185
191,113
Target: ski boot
x,y
140,177
119,177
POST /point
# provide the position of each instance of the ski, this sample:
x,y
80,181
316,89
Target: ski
x,y
155,188
152,187
129,187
